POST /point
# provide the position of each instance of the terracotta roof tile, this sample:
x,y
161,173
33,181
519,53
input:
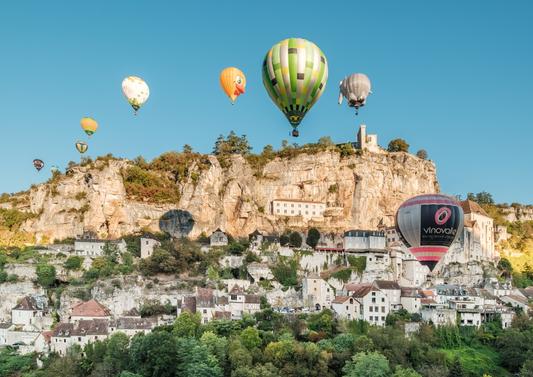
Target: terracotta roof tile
x,y
340,299
387,284
252,299
91,308
358,290
472,207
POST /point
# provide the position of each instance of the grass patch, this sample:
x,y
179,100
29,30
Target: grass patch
x,y
477,361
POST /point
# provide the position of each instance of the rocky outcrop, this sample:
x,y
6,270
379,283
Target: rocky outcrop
x,y
360,191
518,213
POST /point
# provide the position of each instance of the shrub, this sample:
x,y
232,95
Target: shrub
x,y
46,275
74,262
398,145
313,236
285,272
295,239
422,154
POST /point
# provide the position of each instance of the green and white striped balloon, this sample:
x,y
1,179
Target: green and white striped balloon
x,y
295,72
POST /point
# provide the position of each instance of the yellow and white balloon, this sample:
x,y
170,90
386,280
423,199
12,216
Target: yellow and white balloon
x,y
136,91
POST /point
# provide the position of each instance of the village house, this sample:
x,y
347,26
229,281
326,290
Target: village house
x,y
295,207
393,292
517,301
95,248
241,303
259,240
375,306
31,310
88,310
148,245
218,238
346,307
316,292
410,299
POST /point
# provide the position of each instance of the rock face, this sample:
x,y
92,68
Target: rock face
x,y
360,192
518,213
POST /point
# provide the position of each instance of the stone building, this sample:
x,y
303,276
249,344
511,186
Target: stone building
x,y
366,141
95,247
316,292
295,207
218,238
147,247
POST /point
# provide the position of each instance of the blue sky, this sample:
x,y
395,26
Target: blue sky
x,y
452,77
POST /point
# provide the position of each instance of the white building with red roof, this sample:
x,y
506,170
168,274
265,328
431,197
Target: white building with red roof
x,y
88,310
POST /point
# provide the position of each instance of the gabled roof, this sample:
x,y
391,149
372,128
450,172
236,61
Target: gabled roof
x,y
29,303
91,327
340,299
204,298
387,284
63,330
222,315
252,299
410,292
359,290
125,323
472,207
189,304
91,308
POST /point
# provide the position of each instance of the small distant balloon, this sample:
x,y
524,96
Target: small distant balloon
x,y
233,82
81,147
355,88
136,91
38,164
89,125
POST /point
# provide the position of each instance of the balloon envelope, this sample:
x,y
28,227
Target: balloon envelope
x,y
89,125
136,91
355,88
428,225
38,164
81,147
295,72
233,82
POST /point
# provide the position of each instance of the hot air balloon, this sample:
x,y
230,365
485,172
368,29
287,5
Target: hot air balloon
x,y
89,125
38,164
136,91
295,73
81,147
356,88
233,82
428,225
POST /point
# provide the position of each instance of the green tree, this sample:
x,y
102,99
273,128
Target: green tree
x,y
250,338
284,240
325,141
154,355
405,372
46,275
295,239
346,150
117,356
371,364
313,236
73,262
505,267
527,369
483,198
422,154
398,145
186,324
456,369
232,144
187,148
128,374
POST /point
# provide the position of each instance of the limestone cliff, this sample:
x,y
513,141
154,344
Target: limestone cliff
x,y
360,191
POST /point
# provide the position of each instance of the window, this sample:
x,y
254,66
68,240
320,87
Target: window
x,y
292,205
285,211
371,308
371,318
205,311
79,338
383,318
373,300
346,307
234,297
292,211
383,299
383,309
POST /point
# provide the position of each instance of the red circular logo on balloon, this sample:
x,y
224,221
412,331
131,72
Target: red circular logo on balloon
x,y
442,215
